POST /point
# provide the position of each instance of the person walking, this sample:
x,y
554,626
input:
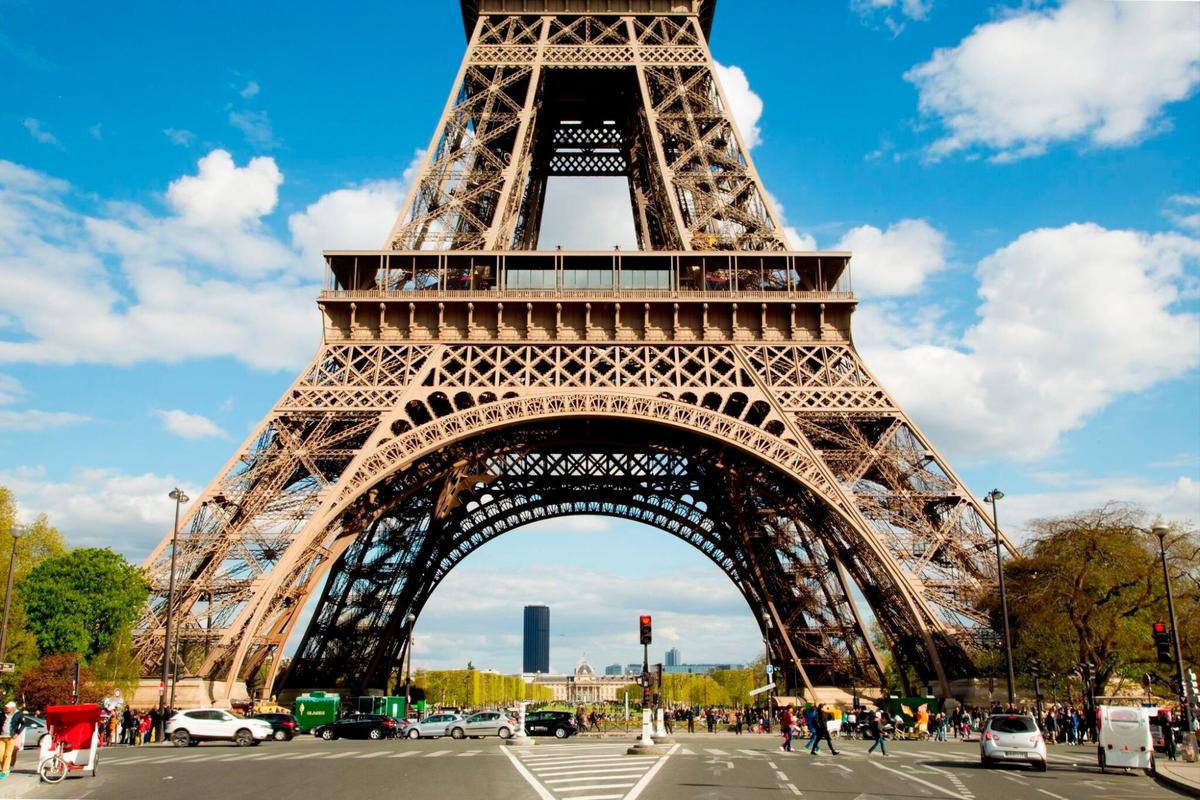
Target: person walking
x,y
787,723
821,734
12,722
691,720
710,717
737,723
877,730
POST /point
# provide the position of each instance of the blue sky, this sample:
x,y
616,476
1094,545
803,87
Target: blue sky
x,y
1019,182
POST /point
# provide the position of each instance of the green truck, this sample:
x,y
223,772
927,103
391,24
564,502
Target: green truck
x,y
317,708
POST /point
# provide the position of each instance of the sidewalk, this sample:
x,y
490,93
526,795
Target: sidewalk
x,y
1179,775
20,782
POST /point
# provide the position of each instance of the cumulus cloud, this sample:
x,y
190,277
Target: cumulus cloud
x,y
1071,318
251,89
255,126
894,14
99,507
189,426
1184,211
745,105
895,261
29,420
38,132
1082,70
208,278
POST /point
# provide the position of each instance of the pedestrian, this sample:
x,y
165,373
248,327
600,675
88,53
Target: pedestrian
x,y
710,717
691,720
737,722
877,730
788,721
12,722
821,734
1168,729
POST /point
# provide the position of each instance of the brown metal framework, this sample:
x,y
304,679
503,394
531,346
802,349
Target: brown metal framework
x,y
467,384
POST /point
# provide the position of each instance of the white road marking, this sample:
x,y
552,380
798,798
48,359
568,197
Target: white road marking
x,y
793,789
594,777
375,754
469,753
715,752
649,776
780,775
594,786
921,781
437,753
1052,794
752,752
403,755
528,776
595,771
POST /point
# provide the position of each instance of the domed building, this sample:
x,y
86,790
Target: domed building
x,y
583,685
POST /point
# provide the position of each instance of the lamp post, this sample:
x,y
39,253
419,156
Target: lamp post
x,y
766,618
408,655
180,498
993,497
1161,532
12,568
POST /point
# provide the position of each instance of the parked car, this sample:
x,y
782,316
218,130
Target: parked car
x,y
485,723
215,725
1013,738
431,727
35,729
359,726
283,726
559,724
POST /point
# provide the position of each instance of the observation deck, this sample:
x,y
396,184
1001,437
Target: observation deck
x,y
586,295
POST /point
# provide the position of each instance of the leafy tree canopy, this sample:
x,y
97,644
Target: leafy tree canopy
x,y
49,683
80,602
38,540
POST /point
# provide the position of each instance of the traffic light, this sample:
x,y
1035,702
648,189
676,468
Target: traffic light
x,y
1162,643
1035,668
644,628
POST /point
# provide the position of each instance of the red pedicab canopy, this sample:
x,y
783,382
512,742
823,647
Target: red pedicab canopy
x,y
73,725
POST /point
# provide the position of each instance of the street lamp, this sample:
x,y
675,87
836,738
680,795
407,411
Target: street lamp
x,y
1161,532
993,497
766,618
180,498
408,670
12,568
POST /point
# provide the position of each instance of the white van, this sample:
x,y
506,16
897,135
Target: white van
x,y
1124,740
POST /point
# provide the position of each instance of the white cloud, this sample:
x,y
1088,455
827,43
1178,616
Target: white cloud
x,y
895,14
223,194
209,279
1184,211
348,219
99,507
179,136
39,133
251,89
1099,71
744,104
32,420
10,390
1071,318
1176,501
587,214
895,261
189,426
255,126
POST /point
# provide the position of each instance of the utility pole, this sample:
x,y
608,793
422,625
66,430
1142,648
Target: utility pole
x,y
12,568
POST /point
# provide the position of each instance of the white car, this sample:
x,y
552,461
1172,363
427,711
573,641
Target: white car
x,y
1013,738
431,727
198,725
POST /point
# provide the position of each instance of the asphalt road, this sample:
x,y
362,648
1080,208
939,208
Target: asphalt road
x,y
700,767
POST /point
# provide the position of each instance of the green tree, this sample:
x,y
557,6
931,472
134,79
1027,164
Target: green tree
x,y
49,683
1087,587
82,601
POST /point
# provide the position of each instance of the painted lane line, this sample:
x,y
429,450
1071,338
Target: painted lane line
x,y
580,767
557,781
771,764
922,781
598,797
538,762
469,753
958,783
375,754
606,771
437,753
403,755
528,776
753,752
794,790
1052,794
780,775
686,752
649,776
715,752
530,758
562,790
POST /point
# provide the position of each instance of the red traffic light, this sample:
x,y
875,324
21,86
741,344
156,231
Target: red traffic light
x,y
645,619
1159,627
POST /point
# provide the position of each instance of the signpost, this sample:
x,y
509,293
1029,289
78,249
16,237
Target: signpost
x,y
761,689
7,666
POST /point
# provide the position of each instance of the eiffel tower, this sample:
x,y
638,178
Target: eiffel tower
x,y
469,383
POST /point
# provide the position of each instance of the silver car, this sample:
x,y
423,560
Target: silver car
x,y
1012,738
485,723
431,727
35,729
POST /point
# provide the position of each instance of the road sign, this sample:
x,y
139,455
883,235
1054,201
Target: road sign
x,y
7,666
761,689
770,668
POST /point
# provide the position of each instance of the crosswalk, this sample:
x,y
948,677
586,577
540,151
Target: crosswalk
x,y
223,755
585,772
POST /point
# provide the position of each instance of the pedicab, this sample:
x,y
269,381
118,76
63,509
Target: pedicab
x,y
73,743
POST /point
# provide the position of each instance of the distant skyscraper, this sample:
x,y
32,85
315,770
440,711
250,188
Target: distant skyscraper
x,y
672,657
614,669
537,639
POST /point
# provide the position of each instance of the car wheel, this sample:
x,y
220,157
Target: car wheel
x,y
504,733
327,735
561,733
375,733
1101,759
279,735
414,734
1152,770
458,733
181,738
1040,766
985,762
243,738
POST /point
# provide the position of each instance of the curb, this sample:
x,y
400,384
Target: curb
x,y
1179,785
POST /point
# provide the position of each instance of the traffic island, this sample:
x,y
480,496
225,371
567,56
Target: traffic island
x,y
655,749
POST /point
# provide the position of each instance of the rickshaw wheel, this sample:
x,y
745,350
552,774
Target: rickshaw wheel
x,y
53,769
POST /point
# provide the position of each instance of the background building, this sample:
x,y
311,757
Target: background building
x,y
537,640
672,659
614,669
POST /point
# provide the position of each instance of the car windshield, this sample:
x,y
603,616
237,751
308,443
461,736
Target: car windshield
x,y
1013,725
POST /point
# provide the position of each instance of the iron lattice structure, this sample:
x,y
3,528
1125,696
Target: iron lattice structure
x,y
467,384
